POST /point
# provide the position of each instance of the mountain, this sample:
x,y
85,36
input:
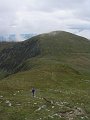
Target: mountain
x,y
57,65
60,46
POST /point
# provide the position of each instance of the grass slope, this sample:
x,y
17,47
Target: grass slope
x,y
65,89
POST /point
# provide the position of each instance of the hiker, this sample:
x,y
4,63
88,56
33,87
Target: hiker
x,y
33,92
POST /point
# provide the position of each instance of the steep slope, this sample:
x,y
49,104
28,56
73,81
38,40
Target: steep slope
x,y
4,45
11,57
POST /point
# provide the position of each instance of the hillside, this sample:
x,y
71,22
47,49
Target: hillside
x,y
57,64
4,45
59,46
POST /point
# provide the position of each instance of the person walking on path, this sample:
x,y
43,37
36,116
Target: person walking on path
x,y
33,92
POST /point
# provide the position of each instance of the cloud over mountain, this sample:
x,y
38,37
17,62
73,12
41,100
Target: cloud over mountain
x,y
23,16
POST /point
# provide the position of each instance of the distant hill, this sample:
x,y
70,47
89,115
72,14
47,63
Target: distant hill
x,y
15,37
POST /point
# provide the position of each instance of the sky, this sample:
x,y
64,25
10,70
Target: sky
x,y
41,16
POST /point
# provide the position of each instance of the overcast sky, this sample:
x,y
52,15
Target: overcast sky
x,y
38,16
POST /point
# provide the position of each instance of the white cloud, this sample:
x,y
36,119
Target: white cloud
x,y
38,16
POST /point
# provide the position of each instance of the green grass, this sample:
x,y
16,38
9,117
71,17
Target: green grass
x,y
55,82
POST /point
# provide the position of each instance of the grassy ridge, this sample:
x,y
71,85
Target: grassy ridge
x,y
65,88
